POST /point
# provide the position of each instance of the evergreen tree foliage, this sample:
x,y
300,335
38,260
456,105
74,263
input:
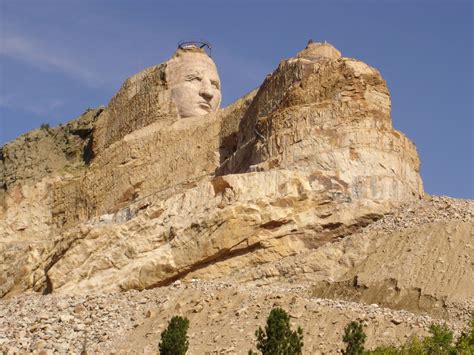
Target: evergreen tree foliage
x,y
354,337
174,340
278,338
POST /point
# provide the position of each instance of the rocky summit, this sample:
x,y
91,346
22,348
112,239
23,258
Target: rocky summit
x,y
301,194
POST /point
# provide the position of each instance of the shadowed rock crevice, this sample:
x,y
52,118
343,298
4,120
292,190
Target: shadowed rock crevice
x,y
48,289
221,256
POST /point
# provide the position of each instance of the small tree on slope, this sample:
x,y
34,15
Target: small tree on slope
x,y
278,338
354,337
174,340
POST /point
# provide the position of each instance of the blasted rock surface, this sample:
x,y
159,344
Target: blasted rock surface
x,y
307,160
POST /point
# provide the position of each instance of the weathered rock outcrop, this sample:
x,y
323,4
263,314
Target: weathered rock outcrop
x,y
330,115
47,151
142,100
417,257
303,181
291,174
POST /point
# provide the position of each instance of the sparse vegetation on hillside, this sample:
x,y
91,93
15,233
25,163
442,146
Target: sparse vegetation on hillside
x,y
440,342
45,126
174,339
278,338
465,343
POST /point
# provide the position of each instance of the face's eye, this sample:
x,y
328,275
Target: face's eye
x,y
215,83
193,78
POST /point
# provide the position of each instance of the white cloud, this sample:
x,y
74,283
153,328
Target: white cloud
x,y
45,57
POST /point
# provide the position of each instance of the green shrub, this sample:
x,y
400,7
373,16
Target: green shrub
x,y
465,343
440,341
278,338
354,337
413,347
174,340
45,126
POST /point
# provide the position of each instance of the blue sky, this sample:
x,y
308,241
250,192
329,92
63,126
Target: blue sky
x,y
57,58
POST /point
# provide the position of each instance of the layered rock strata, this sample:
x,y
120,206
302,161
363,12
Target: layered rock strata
x,y
308,159
328,115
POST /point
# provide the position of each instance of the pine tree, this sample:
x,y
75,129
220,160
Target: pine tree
x,y
278,338
354,337
174,340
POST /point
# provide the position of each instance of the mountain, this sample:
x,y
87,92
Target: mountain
x,y
300,194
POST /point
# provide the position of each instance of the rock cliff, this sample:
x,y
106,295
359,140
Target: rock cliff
x,y
303,180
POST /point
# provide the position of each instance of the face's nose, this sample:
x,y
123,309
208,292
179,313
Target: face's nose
x,y
206,91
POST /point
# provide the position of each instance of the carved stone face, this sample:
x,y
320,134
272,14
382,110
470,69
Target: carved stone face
x,y
194,83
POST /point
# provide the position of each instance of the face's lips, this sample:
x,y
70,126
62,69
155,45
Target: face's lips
x,y
204,105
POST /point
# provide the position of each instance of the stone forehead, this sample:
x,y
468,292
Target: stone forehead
x,y
183,60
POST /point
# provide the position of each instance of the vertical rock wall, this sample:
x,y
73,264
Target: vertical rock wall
x,y
331,115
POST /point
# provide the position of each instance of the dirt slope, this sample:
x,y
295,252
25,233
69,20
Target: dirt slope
x,y
223,318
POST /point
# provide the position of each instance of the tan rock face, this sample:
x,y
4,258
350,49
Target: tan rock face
x,y
140,146
47,152
194,83
290,170
155,161
142,100
332,116
186,85
262,216
314,51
